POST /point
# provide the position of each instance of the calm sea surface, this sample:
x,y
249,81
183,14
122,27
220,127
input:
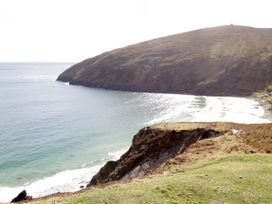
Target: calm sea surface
x,y
54,137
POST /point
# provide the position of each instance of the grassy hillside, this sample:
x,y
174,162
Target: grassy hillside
x,y
232,179
235,166
225,60
153,146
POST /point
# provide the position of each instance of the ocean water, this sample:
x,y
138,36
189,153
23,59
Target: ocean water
x,y
54,137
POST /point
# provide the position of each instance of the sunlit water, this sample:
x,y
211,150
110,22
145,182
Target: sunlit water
x,y
54,137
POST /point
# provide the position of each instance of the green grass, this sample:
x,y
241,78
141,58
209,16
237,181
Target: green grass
x,y
233,179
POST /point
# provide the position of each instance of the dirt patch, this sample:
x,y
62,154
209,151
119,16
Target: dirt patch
x,y
235,138
150,148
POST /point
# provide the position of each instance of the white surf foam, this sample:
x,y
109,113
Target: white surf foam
x,y
177,107
117,154
227,109
65,181
231,109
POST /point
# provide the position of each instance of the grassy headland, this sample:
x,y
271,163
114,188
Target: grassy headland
x,y
235,166
237,178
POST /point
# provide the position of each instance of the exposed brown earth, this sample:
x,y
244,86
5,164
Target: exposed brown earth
x,y
177,143
150,148
222,61
171,147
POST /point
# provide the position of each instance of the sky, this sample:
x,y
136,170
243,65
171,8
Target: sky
x,y
73,30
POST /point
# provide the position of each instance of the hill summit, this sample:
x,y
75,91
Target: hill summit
x,y
218,61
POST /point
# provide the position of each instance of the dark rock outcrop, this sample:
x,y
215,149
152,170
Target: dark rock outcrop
x,y
21,197
222,61
150,148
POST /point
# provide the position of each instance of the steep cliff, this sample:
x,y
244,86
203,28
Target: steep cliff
x,y
185,162
153,146
150,148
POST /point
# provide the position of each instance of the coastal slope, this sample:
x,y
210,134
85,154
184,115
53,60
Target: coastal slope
x,y
223,61
232,179
156,145
186,163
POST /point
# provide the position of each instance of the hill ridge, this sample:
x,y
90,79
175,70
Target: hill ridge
x,y
218,61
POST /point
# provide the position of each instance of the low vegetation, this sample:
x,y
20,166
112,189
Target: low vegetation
x,y
254,137
235,167
232,179
219,61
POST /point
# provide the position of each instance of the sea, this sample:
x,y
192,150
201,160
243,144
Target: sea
x,y
54,136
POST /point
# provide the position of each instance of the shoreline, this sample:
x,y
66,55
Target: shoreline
x,y
267,108
64,182
263,104
217,127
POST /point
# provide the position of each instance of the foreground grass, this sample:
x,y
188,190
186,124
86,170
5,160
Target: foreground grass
x,y
234,179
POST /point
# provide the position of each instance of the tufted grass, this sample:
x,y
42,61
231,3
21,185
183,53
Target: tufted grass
x,y
237,178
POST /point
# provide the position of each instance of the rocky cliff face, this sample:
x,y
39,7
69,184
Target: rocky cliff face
x,y
153,146
226,60
150,148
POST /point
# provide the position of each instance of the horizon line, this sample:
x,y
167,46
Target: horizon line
x,y
2,62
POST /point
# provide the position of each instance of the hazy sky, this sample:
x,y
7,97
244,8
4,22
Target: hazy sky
x,y
72,30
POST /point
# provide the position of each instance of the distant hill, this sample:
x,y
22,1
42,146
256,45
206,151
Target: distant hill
x,y
223,61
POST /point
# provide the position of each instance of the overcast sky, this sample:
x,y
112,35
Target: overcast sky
x,y
73,30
